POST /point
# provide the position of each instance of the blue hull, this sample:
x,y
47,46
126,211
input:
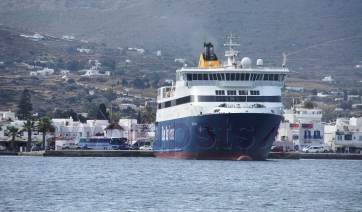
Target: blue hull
x,y
243,136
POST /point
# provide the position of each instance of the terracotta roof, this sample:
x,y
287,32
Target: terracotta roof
x,y
114,126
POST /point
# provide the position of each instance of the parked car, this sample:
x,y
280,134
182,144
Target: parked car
x,y
305,148
52,147
323,149
34,148
70,146
146,147
277,149
313,149
125,147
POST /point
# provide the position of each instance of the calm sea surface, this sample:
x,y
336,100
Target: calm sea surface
x,y
152,184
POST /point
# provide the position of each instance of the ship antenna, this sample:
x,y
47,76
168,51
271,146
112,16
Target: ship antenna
x,y
284,59
231,52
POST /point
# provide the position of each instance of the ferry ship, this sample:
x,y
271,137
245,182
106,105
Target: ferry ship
x,y
220,111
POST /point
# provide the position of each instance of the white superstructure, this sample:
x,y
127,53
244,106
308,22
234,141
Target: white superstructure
x,y
233,87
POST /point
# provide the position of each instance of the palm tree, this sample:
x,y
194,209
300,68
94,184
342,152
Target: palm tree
x,y
148,116
45,126
114,116
29,126
13,131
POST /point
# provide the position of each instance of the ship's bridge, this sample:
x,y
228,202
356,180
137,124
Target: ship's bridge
x,y
231,77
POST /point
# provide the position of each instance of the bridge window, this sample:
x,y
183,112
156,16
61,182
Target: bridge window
x,y
205,76
189,77
231,92
281,77
194,76
220,92
254,93
243,92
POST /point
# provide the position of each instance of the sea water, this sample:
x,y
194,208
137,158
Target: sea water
x,y
153,184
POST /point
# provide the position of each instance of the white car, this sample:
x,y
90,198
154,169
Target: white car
x,y
146,147
70,146
323,149
305,148
315,149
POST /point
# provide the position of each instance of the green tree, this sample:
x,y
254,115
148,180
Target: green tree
x,y
139,117
29,126
155,83
70,113
91,109
13,131
45,126
138,83
353,92
82,119
25,106
308,105
74,65
148,116
346,105
114,116
110,94
110,63
102,113
124,82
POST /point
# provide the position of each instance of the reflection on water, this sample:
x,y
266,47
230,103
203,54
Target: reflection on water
x,y
153,184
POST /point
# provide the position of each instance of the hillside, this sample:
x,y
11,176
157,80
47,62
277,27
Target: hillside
x,y
315,35
319,38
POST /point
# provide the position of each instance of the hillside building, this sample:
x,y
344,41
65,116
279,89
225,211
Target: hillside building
x,y
328,79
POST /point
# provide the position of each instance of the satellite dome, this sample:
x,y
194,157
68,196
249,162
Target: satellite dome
x,y
259,62
246,62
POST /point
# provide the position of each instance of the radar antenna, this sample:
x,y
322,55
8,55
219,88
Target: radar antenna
x,y
284,59
231,52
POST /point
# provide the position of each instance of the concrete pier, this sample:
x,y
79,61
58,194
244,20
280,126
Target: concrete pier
x,y
148,153
90,153
99,153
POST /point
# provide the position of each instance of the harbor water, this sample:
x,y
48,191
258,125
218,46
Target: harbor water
x,y
153,184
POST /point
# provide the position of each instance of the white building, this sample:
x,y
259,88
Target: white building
x,y
300,89
64,71
322,94
352,97
94,70
125,106
7,115
301,127
84,50
68,37
44,72
328,79
345,135
180,60
69,131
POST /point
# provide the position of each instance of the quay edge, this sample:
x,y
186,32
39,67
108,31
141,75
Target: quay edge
x,y
147,153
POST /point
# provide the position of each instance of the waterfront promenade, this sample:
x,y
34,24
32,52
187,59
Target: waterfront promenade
x,y
148,153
